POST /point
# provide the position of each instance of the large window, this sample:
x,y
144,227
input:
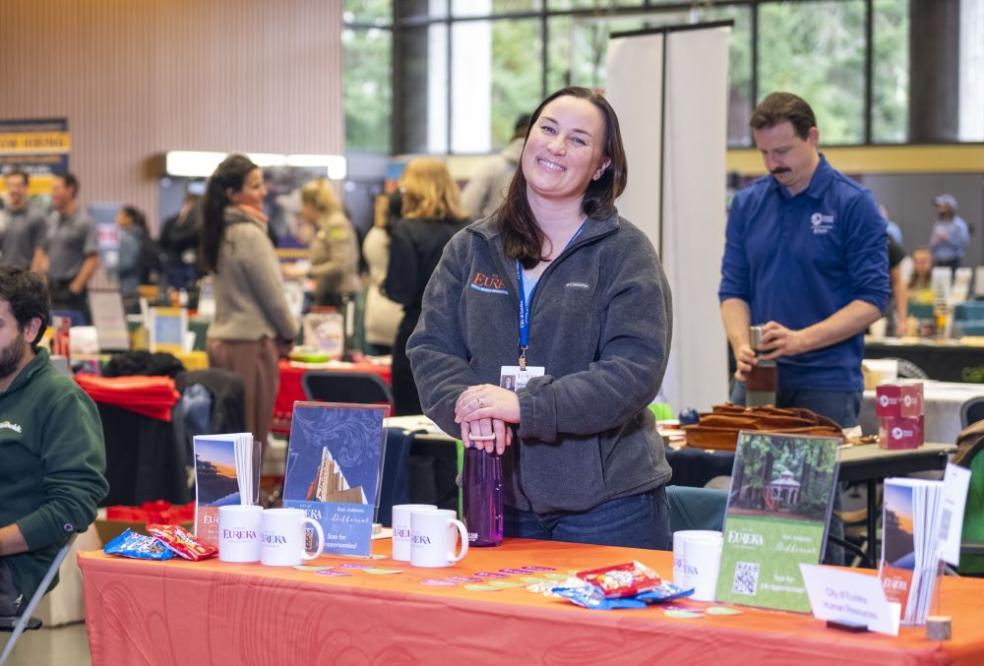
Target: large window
x,y
890,85
516,87
816,50
367,89
486,61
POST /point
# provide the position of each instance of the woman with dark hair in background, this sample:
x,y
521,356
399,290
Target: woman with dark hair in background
x,y
137,257
253,324
556,283
179,243
432,214
382,316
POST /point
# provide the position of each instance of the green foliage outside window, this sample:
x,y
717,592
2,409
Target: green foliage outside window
x,y
516,80
890,107
367,89
816,50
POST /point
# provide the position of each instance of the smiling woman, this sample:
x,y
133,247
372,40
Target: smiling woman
x,y
581,457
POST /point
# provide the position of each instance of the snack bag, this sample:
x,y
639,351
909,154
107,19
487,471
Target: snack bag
x,y
590,596
137,546
181,542
622,580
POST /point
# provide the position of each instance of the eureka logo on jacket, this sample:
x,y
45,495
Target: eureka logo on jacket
x,y
490,284
821,223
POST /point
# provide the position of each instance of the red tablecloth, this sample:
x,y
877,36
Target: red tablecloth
x,y
290,389
178,613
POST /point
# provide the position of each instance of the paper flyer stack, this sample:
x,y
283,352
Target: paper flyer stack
x,y
909,561
227,471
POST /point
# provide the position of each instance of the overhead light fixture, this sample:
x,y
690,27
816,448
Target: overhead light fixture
x,y
201,164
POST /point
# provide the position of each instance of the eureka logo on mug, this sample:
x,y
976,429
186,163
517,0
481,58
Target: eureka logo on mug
x,y
433,536
401,528
239,533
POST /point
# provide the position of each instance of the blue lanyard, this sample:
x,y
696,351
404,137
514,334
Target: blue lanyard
x,y
524,305
524,316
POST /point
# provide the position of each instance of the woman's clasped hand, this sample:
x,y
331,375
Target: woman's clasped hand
x,y
486,414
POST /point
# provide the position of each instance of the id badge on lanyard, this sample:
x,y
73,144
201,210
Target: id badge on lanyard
x,y
514,378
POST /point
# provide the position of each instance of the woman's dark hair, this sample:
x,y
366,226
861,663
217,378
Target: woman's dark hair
x,y
137,217
28,297
229,175
521,235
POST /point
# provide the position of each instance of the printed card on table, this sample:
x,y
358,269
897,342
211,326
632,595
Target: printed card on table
x,y
782,490
334,465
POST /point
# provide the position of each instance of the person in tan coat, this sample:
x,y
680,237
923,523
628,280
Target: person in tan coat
x,y
334,248
253,324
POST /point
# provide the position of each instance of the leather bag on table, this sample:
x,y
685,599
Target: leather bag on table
x,y
719,428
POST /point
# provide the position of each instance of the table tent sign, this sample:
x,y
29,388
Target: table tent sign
x,y
334,466
782,492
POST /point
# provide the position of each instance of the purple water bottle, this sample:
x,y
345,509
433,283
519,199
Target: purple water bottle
x,y
481,485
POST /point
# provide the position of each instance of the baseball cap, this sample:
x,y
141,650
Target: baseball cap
x,y
947,199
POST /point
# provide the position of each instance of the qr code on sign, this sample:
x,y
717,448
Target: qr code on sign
x,y
746,578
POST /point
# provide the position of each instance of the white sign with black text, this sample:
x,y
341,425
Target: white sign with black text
x,y
850,598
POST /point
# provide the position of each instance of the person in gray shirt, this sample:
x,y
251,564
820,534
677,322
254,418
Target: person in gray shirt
x,y
486,189
22,226
73,254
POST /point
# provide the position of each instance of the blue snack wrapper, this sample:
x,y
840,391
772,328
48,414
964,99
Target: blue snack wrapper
x,y
589,596
137,546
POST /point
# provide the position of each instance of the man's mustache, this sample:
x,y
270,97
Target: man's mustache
x,y
779,170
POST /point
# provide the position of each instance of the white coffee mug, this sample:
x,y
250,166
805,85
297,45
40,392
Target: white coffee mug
x,y
239,533
432,538
697,562
401,528
282,537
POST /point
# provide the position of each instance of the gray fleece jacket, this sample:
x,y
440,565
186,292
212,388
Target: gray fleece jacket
x,y
600,324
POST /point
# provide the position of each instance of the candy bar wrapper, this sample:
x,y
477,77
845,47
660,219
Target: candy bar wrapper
x,y
181,542
137,546
622,580
589,596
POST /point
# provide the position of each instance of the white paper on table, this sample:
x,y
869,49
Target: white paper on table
x,y
956,482
845,596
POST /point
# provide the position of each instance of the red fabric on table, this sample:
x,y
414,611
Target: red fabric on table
x,y
158,511
151,396
291,389
211,612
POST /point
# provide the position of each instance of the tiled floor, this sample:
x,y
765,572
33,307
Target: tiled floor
x,y
61,646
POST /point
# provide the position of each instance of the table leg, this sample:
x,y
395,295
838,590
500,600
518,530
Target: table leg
x,y
872,490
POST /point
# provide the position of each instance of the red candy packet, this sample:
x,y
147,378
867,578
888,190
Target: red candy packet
x,y
182,543
622,580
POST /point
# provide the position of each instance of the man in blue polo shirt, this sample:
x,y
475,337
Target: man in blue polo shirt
x,y
805,257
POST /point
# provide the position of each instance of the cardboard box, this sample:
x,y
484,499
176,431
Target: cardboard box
x,y
900,432
899,399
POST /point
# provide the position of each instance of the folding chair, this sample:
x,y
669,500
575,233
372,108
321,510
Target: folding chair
x,y
696,508
971,412
357,387
24,621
